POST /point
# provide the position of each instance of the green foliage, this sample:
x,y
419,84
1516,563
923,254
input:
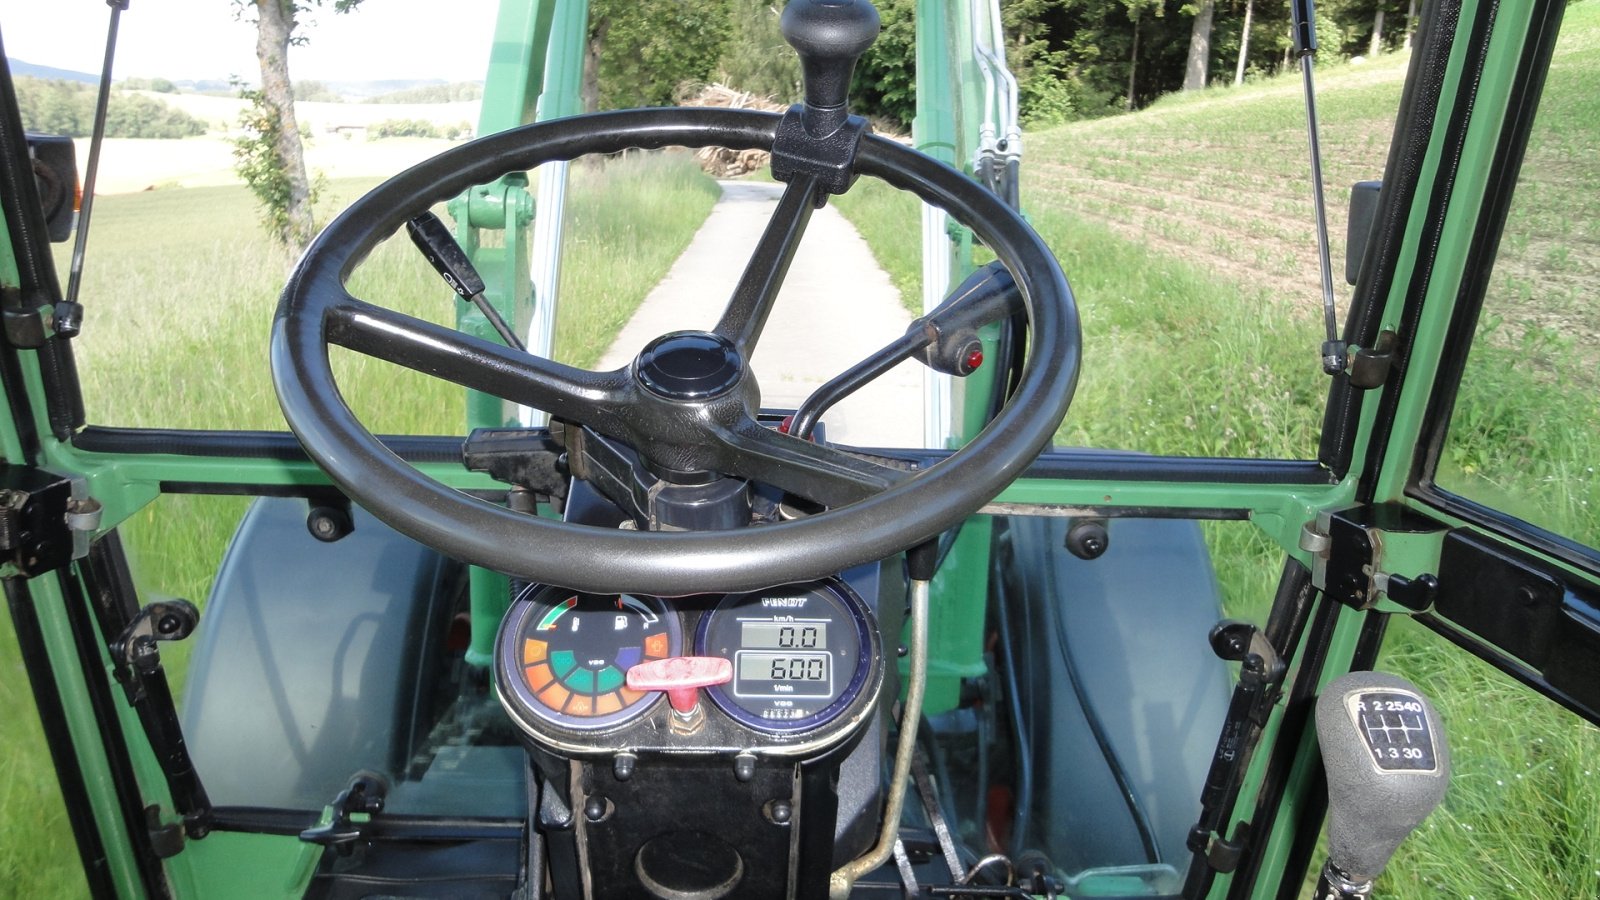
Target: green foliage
x,y
67,108
433,93
1330,39
757,59
314,92
885,81
257,161
649,50
418,128
158,85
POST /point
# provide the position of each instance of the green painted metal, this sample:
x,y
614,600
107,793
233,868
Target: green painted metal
x,y
235,864
512,86
563,69
50,607
956,626
945,130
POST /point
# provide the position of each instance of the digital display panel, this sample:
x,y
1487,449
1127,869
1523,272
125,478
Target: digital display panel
x,y
784,667
805,635
801,654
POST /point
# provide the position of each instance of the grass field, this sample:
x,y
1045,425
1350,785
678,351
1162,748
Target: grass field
x,y
181,286
1185,231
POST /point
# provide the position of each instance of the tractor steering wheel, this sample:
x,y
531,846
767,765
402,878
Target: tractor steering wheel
x,y
688,404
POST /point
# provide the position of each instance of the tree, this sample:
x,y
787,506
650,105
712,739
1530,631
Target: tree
x,y
1198,70
275,166
639,54
1244,42
885,79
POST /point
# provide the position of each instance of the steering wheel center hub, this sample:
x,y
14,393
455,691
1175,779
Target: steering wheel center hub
x,y
689,365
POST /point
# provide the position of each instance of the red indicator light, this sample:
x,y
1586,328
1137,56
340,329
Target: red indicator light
x,y
974,360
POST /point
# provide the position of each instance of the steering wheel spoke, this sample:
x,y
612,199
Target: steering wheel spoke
x,y
821,474
751,303
593,398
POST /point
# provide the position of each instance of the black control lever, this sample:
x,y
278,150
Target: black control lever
x,y
1388,765
439,247
364,795
819,137
946,340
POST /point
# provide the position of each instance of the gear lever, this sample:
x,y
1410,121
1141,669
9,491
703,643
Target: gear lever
x,y
1388,765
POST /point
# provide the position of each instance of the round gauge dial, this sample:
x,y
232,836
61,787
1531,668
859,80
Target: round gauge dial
x,y
564,656
801,654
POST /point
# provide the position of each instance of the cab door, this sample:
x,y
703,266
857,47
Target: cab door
x,y
1471,563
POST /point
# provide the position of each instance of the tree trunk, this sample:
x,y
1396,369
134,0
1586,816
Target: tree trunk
x,y
1376,45
1133,64
1199,68
1244,43
1411,22
589,91
274,25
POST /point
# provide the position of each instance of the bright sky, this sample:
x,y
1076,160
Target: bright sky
x,y
201,39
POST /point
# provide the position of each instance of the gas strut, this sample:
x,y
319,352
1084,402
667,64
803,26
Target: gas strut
x,y
71,315
1305,44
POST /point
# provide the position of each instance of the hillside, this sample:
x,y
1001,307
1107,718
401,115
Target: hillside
x,y
1222,178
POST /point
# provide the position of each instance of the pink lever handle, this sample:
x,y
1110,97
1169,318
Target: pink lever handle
x,y
681,677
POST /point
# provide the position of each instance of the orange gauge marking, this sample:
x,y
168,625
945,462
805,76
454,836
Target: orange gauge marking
x,y
555,696
538,676
534,651
607,704
655,646
580,705
629,698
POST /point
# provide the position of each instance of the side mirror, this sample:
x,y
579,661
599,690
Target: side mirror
x,y
55,171
1358,233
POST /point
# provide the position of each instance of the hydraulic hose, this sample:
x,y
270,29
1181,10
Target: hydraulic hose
x,y
845,877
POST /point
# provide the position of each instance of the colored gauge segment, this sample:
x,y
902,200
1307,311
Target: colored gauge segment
x,y
565,655
801,654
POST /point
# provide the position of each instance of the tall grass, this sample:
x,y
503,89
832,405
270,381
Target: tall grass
x,y
180,287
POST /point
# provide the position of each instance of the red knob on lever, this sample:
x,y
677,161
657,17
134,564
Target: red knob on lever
x,y
681,677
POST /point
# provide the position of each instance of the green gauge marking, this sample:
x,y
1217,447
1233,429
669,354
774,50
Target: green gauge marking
x,y
548,623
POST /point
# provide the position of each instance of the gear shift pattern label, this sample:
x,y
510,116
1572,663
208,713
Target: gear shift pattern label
x,y
1394,725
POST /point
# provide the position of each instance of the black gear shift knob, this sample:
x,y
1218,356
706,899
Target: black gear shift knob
x,y
830,36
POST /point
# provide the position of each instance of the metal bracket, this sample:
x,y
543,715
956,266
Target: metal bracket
x,y
830,157
365,795
162,620
1370,368
28,318
1347,549
46,519
496,205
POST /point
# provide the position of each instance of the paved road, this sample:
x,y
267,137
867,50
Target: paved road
x,y
836,307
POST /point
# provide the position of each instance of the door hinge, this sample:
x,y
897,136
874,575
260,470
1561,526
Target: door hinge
x,y
1355,553
1369,367
46,519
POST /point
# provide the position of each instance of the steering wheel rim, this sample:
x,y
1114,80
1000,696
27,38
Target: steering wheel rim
x,y
912,509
